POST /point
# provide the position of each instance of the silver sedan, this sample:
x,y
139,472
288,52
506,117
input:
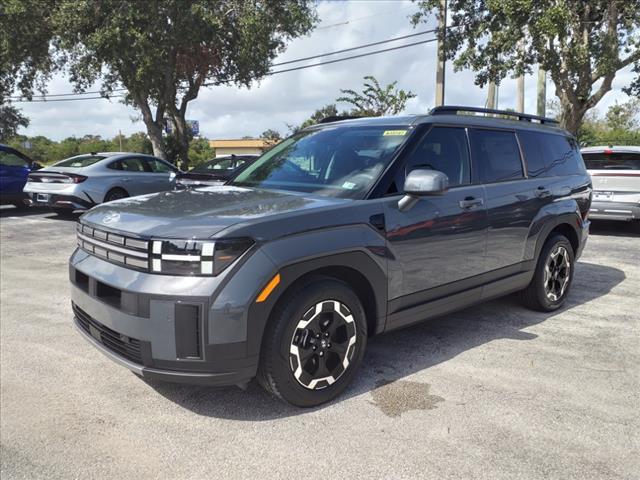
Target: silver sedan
x,y
85,180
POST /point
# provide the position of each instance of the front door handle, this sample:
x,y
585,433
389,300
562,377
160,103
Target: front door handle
x,y
542,192
470,202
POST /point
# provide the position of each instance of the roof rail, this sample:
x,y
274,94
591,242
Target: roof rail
x,y
337,118
454,109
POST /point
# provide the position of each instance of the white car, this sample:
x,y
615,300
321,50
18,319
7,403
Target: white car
x,y
615,173
83,181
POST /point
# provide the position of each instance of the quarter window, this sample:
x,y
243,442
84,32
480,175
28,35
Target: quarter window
x,y
550,155
443,149
496,155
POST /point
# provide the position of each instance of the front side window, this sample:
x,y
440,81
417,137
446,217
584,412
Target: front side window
x,y
80,161
443,149
336,161
495,155
9,159
157,166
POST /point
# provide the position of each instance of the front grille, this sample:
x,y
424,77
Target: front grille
x,y
132,252
122,345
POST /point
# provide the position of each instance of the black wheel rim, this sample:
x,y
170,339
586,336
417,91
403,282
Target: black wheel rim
x,y
116,196
322,344
557,272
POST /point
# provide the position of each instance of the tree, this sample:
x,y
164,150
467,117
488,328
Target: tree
x,y
376,101
624,116
271,135
581,43
10,121
164,51
324,112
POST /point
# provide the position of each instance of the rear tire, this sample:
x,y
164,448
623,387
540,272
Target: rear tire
x,y
553,277
314,343
115,194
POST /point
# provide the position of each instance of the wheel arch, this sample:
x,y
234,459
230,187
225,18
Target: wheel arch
x,y
357,269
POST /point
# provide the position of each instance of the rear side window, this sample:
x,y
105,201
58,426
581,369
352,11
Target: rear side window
x,y
9,159
550,155
443,149
130,165
612,160
496,155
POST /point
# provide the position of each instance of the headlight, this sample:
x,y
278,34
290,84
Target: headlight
x,y
195,257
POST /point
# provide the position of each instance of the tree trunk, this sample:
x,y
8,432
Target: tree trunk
x,y
182,135
572,115
155,135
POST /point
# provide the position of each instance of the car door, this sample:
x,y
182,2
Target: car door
x,y
439,243
162,174
136,176
512,199
13,173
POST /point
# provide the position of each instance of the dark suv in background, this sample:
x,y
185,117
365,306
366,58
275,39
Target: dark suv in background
x,y
345,230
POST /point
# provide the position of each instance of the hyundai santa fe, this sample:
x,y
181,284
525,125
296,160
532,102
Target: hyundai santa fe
x,y
346,230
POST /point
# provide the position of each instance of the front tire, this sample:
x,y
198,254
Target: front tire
x,y
314,343
552,279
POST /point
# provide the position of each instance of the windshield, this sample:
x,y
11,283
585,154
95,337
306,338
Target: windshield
x,y
340,161
79,161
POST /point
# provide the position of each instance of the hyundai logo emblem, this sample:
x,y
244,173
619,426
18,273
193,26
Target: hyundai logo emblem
x,y
111,217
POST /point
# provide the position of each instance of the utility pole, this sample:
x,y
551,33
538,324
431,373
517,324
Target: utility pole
x,y
520,87
542,92
442,31
491,95
120,138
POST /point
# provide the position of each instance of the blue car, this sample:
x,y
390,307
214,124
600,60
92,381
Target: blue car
x,y
14,170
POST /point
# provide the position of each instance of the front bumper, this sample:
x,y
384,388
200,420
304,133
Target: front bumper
x,y
179,329
614,211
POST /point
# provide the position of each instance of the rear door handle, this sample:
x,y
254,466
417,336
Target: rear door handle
x,y
542,192
470,202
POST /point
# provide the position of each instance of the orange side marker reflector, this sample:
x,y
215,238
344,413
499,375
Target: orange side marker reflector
x,y
266,291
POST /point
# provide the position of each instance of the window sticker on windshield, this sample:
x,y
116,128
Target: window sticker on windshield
x,y
349,185
394,132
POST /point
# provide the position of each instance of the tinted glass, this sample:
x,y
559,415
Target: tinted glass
x,y
79,161
9,159
444,149
157,166
496,155
613,161
217,166
550,155
132,165
337,161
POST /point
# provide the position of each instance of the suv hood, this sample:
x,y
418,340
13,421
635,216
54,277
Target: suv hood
x,y
199,213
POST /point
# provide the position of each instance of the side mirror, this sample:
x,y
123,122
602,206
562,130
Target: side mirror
x,y
421,183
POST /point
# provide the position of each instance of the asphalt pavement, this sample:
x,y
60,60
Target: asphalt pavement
x,y
491,392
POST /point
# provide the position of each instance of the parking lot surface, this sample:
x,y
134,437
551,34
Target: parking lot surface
x,y
494,391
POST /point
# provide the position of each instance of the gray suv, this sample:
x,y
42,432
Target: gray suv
x,y
345,230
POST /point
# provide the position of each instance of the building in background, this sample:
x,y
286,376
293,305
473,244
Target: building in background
x,y
240,146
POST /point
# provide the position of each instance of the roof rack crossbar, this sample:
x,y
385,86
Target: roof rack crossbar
x,y
454,109
337,118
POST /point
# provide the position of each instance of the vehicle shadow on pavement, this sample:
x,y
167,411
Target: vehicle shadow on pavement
x,y
616,229
394,356
11,211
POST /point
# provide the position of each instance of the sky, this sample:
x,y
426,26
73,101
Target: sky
x,y
289,98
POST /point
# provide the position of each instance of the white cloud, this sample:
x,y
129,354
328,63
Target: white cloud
x,y
289,98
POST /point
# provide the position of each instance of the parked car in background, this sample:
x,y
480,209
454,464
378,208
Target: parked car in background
x,y
83,181
615,172
215,172
343,231
14,170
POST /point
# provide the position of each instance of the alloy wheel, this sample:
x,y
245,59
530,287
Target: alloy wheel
x,y
557,272
322,344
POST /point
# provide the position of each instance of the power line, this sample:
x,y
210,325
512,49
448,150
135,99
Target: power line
x,y
354,48
302,67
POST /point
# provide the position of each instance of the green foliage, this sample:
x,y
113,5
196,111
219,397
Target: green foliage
x,y
10,121
271,135
164,51
324,112
376,101
581,43
200,152
46,151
